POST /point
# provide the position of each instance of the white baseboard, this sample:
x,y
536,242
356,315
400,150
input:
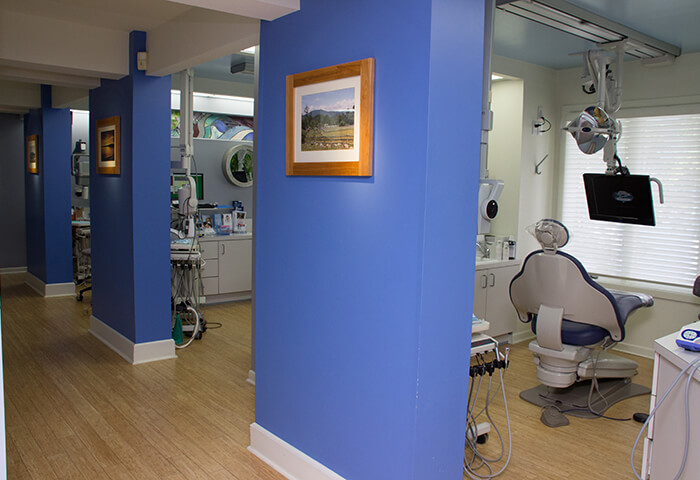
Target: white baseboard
x,y
133,353
287,460
523,336
49,289
251,377
646,352
227,297
9,270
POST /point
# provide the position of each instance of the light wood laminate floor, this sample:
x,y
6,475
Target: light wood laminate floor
x,y
75,409
597,449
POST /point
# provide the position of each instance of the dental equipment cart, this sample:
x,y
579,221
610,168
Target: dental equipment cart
x,y
665,442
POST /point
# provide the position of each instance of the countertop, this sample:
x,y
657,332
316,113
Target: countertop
x,y
219,238
484,263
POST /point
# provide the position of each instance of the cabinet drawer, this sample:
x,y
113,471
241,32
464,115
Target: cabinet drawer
x,y
210,269
209,250
211,285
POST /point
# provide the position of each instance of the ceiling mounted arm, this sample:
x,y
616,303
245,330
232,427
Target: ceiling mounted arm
x,y
582,23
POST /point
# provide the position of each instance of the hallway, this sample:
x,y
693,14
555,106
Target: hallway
x,y
75,409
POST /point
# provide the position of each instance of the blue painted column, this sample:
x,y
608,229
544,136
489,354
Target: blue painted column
x,y
364,285
130,211
48,194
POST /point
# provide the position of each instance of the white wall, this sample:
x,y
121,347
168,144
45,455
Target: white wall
x,y
536,192
505,151
642,86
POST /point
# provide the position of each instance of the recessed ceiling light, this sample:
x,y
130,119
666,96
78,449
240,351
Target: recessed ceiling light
x,y
496,77
250,50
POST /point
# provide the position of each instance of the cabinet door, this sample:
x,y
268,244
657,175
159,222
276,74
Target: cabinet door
x,y
209,250
500,312
480,286
235,265
210,285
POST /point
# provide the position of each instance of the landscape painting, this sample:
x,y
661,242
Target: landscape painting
x,y
108,146
33,154
328,120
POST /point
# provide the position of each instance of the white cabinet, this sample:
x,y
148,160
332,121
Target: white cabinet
x,y
235,265
227,273
665,442
492,297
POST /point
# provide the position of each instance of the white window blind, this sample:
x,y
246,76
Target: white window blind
x,y
665,147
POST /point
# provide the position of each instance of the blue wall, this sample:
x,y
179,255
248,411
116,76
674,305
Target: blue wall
x,y
13,243
364,286
129,212
47,194
34,202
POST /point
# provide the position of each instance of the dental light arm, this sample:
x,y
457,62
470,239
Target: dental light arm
x,y
188,203
596,127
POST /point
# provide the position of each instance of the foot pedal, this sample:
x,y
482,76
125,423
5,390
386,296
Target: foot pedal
x,y
552,417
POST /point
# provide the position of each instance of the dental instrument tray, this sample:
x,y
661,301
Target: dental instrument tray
x,y
689,337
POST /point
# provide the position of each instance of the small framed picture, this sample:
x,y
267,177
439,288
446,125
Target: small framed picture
x,y
108,143
33,153
330,114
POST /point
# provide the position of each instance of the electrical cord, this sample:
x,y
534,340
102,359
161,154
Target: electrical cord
x,y
595,386
693,367
542,124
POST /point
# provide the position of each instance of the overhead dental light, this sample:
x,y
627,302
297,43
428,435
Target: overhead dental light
x,y
596,127
582,23
620,197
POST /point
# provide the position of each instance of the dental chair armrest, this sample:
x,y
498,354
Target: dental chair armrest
x,y
628,302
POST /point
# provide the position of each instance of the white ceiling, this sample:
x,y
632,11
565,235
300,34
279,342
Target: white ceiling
x,y
73,44
124,15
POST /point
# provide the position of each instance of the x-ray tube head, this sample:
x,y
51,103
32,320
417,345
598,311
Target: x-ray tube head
x,y
489,193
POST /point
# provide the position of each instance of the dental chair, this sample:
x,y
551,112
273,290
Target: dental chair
x,y
576,321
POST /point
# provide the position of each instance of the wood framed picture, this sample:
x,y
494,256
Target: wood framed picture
x,y
108,146
33,153
330,115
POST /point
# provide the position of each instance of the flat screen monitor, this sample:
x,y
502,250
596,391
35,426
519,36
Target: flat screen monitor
x,y
619,198
177,180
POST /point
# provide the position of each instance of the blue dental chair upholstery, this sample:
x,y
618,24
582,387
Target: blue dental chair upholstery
x,y
576,321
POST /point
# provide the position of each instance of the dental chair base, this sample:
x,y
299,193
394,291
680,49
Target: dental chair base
x,y
566,376
561,369
574,399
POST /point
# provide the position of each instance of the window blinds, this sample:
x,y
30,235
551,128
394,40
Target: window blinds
x,y
665,147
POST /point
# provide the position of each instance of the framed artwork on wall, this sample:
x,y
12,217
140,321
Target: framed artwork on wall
x,y
108,143
33,153
330,115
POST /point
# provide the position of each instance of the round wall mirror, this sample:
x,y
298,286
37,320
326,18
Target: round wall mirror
x,y
238,165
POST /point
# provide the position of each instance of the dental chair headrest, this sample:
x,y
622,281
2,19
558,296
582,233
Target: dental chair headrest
x,y
551,234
